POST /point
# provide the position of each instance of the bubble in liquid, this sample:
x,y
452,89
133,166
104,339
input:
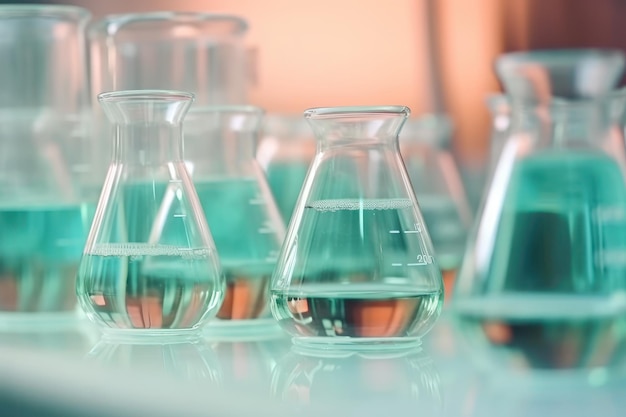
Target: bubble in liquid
x,y
146,249
357,204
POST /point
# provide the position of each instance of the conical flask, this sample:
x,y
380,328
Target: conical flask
x,y
357,265
149,266
220,146
543,280
424,144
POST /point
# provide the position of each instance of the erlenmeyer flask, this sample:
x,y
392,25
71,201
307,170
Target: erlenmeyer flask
x,y
149,266
357,264
544,277
45,161
424,143
220,145
285,153
500,112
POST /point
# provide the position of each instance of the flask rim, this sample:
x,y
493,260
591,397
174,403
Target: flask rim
x,y
351,111
43,10
113,23
145,95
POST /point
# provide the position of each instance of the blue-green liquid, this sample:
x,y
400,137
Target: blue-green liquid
x,y
559,249
285,180
141,286
243,225
562,227
40,248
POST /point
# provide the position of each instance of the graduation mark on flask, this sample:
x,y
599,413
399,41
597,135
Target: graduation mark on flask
x,y
421,259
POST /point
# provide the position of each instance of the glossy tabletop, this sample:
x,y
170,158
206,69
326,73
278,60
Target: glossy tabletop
x,y
69,370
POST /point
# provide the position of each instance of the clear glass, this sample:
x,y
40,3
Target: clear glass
x,y
220,146
47,189
285,153
500,112
367,384
357,265
424,144
183,361
201,53
542,282
149,267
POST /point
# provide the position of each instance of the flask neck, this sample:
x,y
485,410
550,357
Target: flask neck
x,y
141,144
148,124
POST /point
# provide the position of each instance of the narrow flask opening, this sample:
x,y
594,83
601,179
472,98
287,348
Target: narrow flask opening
x,y
148,124
341,125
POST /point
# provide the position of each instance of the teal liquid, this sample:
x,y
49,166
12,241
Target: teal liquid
x,y
285,180
356,311
446,229
247,239
545,331
40,248
562,227
141,286
368,251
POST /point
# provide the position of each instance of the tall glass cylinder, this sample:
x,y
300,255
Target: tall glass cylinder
x,y
47,191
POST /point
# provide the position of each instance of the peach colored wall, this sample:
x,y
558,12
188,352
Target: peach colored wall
x,y
323,53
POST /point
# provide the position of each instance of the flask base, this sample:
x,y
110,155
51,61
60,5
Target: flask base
x,y
377,344
150,335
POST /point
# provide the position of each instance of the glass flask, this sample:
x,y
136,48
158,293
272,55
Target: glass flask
x,y
47,190
424,144
220,146
201,53
285,152
357,265
500,111
370,383
543,282
184,360
149,266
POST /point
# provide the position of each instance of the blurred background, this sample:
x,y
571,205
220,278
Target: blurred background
x,y
432,55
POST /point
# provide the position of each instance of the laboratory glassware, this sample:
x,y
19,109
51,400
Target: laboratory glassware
x,y
149,267
371,383
543,282
47,190
425,148
357,266
285,152
202,53
500,113
220,146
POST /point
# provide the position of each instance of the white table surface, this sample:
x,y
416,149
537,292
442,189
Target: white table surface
x,y
69,371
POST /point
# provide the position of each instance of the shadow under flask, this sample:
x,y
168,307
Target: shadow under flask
x,y
149,266
357,265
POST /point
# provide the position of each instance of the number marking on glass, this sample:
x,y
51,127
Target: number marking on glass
x,y
422,258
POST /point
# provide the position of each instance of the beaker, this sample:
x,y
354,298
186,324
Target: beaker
x,y
149,267
424,144
357,265
47,191
285,152
543,280
201,53
220,146
371,383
